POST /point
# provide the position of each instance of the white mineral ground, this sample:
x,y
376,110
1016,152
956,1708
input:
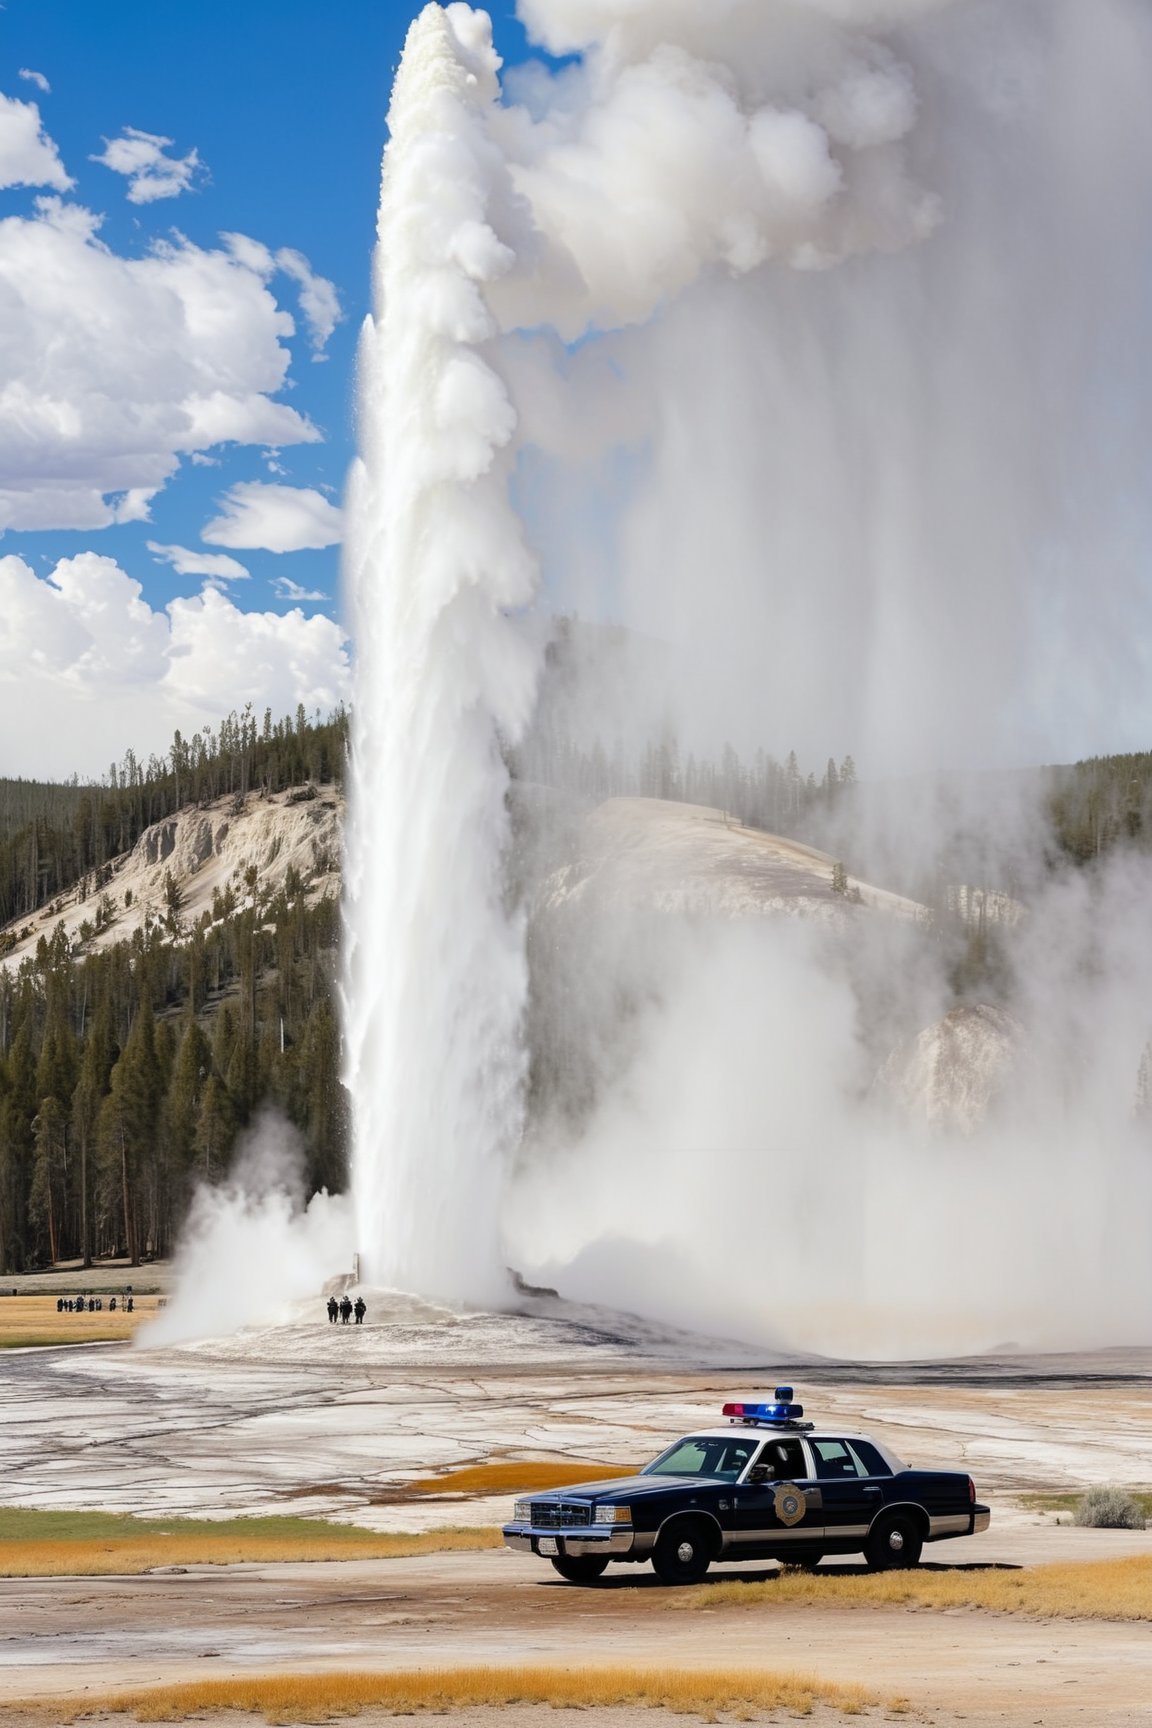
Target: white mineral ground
x,y
338,1422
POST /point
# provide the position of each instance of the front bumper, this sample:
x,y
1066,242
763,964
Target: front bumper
x,y
600,1540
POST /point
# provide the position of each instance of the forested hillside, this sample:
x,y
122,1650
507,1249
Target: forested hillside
x,y
1102,803
128,1071
129,1066
51,837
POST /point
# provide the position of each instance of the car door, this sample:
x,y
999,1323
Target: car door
x,y
776,1505
850,1494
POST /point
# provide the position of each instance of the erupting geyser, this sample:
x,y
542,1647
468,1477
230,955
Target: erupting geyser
x,y
809,339
436,974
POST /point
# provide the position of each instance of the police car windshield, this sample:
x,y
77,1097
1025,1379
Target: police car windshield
x,y
704,1455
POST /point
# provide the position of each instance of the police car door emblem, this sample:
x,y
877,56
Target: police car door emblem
x,y
790,1504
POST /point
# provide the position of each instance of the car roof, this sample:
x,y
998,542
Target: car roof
x,y
768,1431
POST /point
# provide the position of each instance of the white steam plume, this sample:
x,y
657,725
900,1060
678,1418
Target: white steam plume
x,y
251,1248
436,976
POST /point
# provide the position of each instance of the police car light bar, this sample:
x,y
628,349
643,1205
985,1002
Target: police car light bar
x,y
782,1412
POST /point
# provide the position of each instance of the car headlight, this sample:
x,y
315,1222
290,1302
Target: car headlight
x,y
522,1512
612,1515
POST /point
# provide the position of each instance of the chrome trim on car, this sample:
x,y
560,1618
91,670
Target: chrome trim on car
x,y
952,1524
981,1519
814,1533
595,1539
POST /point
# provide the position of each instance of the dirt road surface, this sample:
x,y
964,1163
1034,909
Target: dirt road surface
x,y
62,1636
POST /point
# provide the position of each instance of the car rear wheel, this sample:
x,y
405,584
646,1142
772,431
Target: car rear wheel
x,y
683,1553
893,1543
580,1568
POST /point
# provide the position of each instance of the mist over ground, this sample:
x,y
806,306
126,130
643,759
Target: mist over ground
x,y
872,486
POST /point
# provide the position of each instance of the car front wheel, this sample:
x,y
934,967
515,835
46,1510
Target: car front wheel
x,y
894,1543
683,1554
580,1568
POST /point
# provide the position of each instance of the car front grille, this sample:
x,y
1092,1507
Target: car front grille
x,y
559,1514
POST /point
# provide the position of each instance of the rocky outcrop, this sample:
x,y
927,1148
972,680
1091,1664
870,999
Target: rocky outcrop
x,y
240,850
950,1077
689,860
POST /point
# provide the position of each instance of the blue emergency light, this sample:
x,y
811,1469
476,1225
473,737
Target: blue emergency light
x,y
782,1412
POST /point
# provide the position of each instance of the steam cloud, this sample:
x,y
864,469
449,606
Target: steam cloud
x,y
807,338
251,1248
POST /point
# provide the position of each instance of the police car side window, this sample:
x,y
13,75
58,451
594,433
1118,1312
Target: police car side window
x,y
780,1461
834,1460
868,1460
788,1457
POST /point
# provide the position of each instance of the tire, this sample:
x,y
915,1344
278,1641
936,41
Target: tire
x,y
804,1559
683,1552
893,1544
580,1568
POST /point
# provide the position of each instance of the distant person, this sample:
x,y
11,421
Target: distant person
x,y
91,1304
59,1304
128,1306
345,1311
360,1310
80,1306
112,1305
333,1310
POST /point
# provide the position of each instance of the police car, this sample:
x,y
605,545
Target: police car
x,y
766,1486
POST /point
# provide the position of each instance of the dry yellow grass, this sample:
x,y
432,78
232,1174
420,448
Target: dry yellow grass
x,y
515,1476
1097,1590
56,1544
290,1698
32,1322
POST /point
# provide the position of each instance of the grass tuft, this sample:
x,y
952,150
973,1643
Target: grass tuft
x,y
1070,1501
295,1698
515,1476
1096,1590
35,1544
1109,1508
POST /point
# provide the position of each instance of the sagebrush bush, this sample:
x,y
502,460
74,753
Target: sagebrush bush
x,y
1109,1508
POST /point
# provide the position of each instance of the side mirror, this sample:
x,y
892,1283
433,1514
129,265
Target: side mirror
x,y
760,1473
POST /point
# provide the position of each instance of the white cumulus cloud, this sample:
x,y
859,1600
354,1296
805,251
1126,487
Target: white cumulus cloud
x,y
319,300
36,78
114,369
275,519
151,174
28,157
286,589
88,668
186,561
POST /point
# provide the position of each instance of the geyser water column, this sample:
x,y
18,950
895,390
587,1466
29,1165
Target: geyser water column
x,y
437,568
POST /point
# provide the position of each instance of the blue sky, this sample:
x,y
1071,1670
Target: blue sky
x,y
284,103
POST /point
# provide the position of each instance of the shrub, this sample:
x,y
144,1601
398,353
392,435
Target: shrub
x,y
1109,1508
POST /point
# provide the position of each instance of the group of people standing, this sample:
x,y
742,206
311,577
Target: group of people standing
x,y
345,1309
91,1304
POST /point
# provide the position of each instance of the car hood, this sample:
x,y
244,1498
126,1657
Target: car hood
x,y
624,1488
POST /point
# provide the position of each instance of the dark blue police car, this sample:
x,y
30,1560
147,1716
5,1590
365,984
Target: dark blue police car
x,y
767,1486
